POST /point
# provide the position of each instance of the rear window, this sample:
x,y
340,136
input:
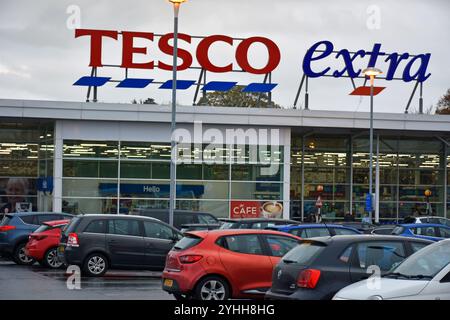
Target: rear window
x,y
228,225
187,242
342,232
71,226
43,228
29,219
305,253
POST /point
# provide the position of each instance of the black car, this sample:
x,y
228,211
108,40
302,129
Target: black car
x,y
256,223
100,242
180,217
319,267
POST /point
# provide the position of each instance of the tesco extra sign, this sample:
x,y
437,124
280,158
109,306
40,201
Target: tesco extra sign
x,y
202,52
414,66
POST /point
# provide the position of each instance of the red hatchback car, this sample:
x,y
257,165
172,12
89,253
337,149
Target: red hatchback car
x,y
43,243
223,264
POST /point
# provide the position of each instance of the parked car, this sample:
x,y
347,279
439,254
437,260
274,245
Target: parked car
x,y
429,231
423,276
43,244
436,220
98,242
222,264
316,230
180,217
256,223
318,268
384,230
15,229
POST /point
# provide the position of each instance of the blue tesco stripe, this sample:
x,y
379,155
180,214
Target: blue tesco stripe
x,y
181,84
219,86
134,83
91,81
259,87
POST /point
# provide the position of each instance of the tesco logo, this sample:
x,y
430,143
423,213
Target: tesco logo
x,y
201,53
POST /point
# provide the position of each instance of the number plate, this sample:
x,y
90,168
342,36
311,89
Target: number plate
x,y
168,283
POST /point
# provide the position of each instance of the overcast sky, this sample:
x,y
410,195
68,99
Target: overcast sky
x,y
41,59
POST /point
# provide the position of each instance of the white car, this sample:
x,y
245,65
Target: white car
x,y
425,275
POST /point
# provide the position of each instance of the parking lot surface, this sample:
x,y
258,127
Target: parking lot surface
x,y
37,283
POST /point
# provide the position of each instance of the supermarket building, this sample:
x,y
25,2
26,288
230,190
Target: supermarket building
x,y
114,158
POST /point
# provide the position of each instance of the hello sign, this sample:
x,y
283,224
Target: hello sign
x,y
414,69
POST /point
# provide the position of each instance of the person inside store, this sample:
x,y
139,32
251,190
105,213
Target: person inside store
x,y
349,217
3,213
16,191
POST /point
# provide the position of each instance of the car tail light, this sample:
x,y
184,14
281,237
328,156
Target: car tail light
x,y
72,240
190,258
308,278
7,228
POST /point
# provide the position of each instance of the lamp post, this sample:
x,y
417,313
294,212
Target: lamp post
x,y
371,72
429,210
319,203
173,168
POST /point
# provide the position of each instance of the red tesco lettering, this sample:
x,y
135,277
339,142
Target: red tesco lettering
x,y
202,51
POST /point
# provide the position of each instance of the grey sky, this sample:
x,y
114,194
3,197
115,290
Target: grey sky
x,y
40,58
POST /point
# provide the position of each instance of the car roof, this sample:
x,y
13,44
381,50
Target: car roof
x,y
56,222
422,225
226,232
24,214
365,237
110,215
435,217
313,225
251,220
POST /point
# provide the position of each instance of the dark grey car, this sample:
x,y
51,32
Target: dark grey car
x,y
319,267
97,243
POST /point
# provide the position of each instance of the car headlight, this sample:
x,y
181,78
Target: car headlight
x,y
375,298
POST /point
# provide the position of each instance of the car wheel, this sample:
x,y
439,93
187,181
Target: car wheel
x,y
51,259
20,257
95,265
212,288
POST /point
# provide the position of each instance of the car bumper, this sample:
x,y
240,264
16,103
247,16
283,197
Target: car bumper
x,y
300,294
70,256
182,281
34,253
5,248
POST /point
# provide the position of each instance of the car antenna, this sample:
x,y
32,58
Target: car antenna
x,y
326,226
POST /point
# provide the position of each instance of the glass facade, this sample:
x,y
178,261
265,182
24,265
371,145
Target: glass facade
x,y
407,167
26,158
99,175
124,176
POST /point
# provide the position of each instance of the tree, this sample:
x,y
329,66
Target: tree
x,y
443,106
146,101
236,98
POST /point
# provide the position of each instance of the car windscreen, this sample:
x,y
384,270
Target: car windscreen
x,y
207,219
305,253
228,225
398,230
426,263
187,242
